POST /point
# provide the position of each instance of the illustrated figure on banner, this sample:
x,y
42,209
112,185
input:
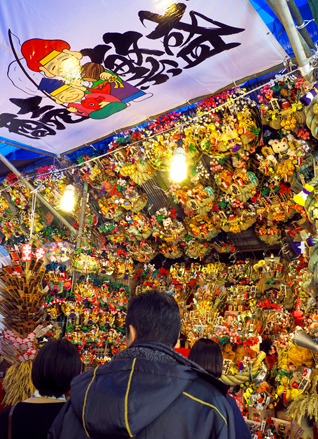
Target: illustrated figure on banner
x,y
88,90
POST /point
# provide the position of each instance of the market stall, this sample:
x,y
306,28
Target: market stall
x,y
250,166
166,204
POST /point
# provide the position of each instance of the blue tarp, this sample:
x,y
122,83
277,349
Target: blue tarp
x,y
275,26
13,150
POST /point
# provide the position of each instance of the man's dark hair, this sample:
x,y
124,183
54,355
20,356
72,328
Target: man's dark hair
x,y
54,367
155,316
207,354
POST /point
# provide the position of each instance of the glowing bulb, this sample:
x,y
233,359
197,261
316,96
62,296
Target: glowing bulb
x,y
68,199
178,170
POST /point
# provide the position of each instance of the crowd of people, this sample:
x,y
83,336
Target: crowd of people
x,y
148,390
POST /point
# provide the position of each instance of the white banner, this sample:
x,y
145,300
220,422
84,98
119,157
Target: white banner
x,y
74,71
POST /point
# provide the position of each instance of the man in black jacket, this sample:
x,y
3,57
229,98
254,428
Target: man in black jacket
x,y
148,391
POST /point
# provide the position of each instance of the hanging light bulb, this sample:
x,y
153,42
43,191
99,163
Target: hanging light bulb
x,y
68,199
178,169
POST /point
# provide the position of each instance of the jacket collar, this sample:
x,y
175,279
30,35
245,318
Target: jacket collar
x,y
163,353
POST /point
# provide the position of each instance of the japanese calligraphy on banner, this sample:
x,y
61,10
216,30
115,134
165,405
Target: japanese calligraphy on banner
x,y
73,72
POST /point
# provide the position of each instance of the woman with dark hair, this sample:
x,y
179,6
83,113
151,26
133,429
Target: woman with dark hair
x,y
54,367
207,354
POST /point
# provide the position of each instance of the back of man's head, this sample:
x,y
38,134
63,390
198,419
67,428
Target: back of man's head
x,y
155,317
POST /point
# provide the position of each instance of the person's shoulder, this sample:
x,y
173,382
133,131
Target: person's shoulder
x,y
209,385
112,366
5,413
209,394
231,400
38,408
202,398
51,406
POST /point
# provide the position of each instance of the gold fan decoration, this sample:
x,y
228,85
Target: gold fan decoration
x,y
201,227
143,251
241,184
130,163
140,171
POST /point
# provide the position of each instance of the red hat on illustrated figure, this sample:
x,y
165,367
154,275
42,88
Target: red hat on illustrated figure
x,y
39,52
50,56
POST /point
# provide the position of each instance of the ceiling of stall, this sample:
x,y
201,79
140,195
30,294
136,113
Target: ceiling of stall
x,y
71,78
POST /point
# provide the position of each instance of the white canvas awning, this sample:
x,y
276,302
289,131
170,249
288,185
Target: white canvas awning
x,y
74,71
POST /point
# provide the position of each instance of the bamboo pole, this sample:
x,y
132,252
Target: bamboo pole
x,y
306,48
80,230
82,216
272,5
299,21
293,35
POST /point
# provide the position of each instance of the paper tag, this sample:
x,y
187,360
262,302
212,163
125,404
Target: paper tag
x,y
299,433
303,383
26,252
40,252
214,318
306,372
263,425
220,321
226,366
49,218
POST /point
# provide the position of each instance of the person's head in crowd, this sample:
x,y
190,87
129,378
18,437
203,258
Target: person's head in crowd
x,y
153,316
54,367
207,354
